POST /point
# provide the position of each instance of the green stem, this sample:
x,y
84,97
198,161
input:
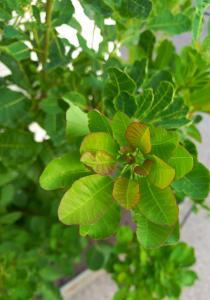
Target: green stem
x,y
48,21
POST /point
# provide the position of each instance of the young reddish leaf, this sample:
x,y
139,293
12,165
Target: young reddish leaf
x,y
101,162
161,174
138,135
126,192
145,169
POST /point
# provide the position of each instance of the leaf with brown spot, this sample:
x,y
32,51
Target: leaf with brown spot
x,y
145,169
101,162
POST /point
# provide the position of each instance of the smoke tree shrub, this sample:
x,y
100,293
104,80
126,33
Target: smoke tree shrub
x,y
119,130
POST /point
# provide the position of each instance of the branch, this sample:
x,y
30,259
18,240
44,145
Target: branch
x,y
49,10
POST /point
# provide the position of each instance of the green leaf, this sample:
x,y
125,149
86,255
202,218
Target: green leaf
x,y
12,107
187,278
18,50
173,24
126,103
105,227
98,122
181,161
88,206
99,141
124,235
183,255
17,147
138,71
174,116
100,162
163,96
174,236
126,192
121,80
62,172
163,142
75,98
165,55
63,11
195,184
138,135
151,235
134,8
77,123
95,259
144,103
119,125
147,43
157,205
161,174
10,218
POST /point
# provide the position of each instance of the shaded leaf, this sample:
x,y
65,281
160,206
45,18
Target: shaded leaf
x,y
126,103
163,96
144,103
98,122
121,80
18,50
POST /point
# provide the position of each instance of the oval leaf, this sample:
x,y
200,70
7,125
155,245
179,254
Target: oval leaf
x,y
181,161
157,205
99,141
120,124
151,235
164,142
101,162
62,172
86,201
126,192
105,227
161,174
138,135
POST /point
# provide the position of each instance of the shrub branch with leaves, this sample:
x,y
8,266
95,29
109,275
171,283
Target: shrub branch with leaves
x,y
119,130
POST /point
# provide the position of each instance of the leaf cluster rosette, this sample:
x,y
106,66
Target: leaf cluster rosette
x,y
122,163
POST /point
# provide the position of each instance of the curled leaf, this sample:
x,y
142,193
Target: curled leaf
x,y
138,135
145,169
99,141
101,162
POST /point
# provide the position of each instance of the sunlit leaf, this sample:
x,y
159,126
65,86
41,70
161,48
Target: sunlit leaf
x,y
100,162
138,135
62,172
86,201
119,125
105,227
99,141
181,161
157,205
